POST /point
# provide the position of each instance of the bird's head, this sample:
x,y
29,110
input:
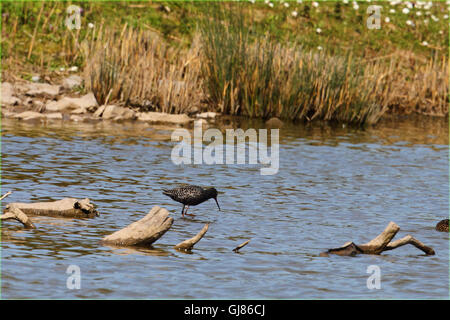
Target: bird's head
x,y
212,193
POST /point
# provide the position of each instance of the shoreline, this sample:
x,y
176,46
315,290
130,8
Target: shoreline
x,y
43,101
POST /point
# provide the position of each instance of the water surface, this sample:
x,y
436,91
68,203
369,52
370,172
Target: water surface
x,y
335,184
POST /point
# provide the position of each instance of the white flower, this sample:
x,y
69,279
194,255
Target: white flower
x,y
418,13
434,18
425,44
266,1
294,13
319,48
441,31
445,16
318,30
409,23
387,20
345,1
61,69
252,1
355,5
286,5
315,4
409,5
90,25
405,10
73,69
425,21
271,4
299,1
392,11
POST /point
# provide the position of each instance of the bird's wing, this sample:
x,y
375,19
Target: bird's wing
x,y
189,192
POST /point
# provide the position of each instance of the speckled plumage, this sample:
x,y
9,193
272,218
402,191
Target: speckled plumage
x,y
442,226
190,195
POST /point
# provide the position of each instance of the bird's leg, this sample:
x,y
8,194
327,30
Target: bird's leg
x,y
189,214
182,211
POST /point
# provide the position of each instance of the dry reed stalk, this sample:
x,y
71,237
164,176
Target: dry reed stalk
x,y
35,31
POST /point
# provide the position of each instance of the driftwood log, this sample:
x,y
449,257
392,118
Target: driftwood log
x,y
142,232
188,244
15,213
381,243
67,207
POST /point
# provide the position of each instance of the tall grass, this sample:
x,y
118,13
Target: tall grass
x,y
248,73
138,68
251,75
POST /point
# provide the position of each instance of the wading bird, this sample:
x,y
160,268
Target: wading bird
x,y
190,195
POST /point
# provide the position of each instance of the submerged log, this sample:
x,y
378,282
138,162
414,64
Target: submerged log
x,y
381,243
67,207
15,213
188,244
142,232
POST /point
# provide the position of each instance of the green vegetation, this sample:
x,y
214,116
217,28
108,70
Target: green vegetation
x,y
287,59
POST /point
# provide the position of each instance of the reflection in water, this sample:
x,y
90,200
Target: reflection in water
x,y
334,184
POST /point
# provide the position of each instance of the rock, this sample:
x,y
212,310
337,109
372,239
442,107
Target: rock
x,y
207,115
164,117
76,118
99,111
72,82
274,123
67,103
54,116
79,111
38,105
118,113
29,115
7,113
8,97
42,89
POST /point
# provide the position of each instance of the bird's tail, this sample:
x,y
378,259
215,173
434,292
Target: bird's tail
x,y
166,192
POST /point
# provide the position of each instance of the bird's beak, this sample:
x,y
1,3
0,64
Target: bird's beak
x,y
217,203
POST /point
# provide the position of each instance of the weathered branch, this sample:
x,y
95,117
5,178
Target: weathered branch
x,y
241,246
377,245
67,207
15,213
381,243
187,245
410,240
5,195
143,232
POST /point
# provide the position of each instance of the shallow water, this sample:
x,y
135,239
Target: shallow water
x,y
334,185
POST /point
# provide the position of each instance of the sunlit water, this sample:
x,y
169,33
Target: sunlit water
x,y
334,185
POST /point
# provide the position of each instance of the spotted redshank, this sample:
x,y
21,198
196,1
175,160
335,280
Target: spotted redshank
x,y
190,195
